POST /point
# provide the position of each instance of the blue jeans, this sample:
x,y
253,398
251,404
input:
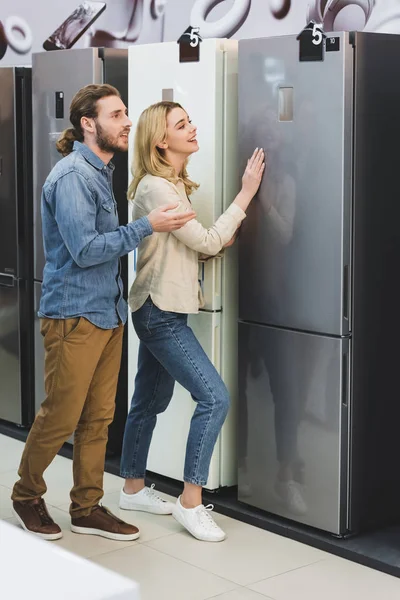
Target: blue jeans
x,y
169,352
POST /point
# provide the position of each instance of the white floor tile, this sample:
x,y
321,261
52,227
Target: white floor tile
x,y
5,502
241,594
163,577
331,579
10,453
247,555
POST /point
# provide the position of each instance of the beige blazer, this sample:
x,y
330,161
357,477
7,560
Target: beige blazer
x,y
167,263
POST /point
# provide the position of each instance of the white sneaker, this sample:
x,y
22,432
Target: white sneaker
x,y
290,493
147,501
199,522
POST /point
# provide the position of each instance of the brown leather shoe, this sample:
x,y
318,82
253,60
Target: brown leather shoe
x,y
102,522
34,517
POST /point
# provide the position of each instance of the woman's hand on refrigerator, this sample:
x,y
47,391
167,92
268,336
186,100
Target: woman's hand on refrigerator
x,y
254,172
251,179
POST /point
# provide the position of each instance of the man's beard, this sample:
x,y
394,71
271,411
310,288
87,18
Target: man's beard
x,y
105,142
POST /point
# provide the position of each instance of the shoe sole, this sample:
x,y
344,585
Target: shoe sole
x,y
201,539
50,537
118,537
144,509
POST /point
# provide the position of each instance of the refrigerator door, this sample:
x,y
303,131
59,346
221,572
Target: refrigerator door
x,y
295,243
8,174
53,89
208,91
10,351
168,446
293,411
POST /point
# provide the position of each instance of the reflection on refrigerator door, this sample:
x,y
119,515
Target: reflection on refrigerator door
x,y
290,398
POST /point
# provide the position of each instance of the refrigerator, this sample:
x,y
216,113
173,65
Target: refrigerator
x,y
16,279
318,297
57,76
207,89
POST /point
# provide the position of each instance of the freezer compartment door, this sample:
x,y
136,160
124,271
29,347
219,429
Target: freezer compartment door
x,y
10,351
294,244
168,446
56,77
293,406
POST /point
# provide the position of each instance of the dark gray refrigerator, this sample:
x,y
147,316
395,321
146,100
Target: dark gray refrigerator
x,y
319,301
16,279
56,77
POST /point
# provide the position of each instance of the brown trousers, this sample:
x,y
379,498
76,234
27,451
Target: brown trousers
x,y
82,363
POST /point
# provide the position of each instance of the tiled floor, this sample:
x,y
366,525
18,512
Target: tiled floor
x,y
251,564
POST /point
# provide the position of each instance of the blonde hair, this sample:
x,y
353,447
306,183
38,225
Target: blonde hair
x,y
84,104
148,159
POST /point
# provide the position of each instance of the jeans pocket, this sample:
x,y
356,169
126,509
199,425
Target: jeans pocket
x,y
141,320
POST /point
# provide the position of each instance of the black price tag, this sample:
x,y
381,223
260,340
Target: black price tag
x,y
311,43
189,45
332,44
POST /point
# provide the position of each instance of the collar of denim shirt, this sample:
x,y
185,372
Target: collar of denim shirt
x,y
91,157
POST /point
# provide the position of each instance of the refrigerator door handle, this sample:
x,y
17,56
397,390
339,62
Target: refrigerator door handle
x,y
345,378
346,284
7,280
1,166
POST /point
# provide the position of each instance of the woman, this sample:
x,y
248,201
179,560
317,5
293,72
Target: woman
x,y
165,291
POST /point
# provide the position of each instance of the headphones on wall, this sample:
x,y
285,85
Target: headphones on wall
x,y
134,25
157,10
326,11
224,27
320,11
16,33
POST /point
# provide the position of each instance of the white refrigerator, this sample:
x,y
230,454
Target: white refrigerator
x,y
207,90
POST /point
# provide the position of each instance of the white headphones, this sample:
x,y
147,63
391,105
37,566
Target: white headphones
x,y
224,27
17,34
326,11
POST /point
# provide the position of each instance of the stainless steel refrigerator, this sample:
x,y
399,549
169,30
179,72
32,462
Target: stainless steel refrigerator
x,y
319,300
57,76
16,279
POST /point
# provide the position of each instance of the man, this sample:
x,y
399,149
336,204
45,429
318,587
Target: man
x,y
82,315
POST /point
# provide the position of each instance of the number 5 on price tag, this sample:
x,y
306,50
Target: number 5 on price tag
x,y
317,35
194,37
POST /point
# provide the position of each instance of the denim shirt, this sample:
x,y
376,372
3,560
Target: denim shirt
x,y
83,241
